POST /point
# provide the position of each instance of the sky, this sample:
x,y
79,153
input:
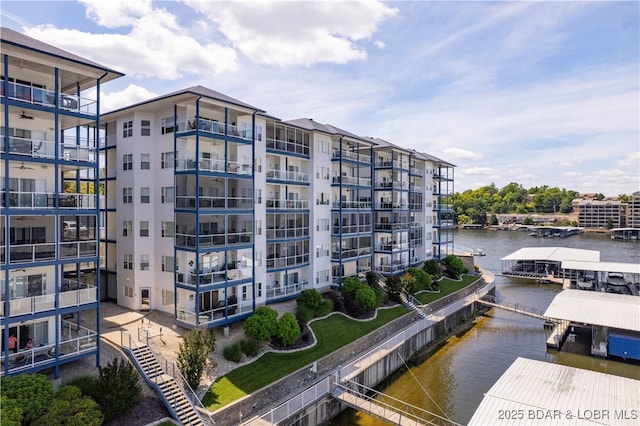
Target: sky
x,y
537,93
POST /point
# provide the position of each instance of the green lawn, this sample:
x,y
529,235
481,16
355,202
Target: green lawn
x,y
332,333
447,286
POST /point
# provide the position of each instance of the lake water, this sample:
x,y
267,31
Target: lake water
x,y
454,380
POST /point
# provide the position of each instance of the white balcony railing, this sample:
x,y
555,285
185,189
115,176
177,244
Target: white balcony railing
x,y
288,176
49,98
286,290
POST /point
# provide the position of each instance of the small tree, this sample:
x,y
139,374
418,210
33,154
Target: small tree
x,y
263,324
454,265
118,388
366,298
288,329
70,408
422,279
32,392
193,353
394,287
350,285
408,283
432,268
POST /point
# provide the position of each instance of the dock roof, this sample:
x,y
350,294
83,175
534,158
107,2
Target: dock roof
x,y
551,394
597,308
583,265
553,254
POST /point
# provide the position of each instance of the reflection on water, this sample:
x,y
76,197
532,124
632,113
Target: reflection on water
x,y
459,373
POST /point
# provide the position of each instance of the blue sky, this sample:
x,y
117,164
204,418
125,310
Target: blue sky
x,y
539,93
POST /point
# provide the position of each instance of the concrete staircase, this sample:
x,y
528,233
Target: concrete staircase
x,y
409,301
173,395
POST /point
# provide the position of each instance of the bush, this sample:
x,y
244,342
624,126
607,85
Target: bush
x,y
454,266
10,413
372,280
193,353
338,300
325,308
70,408
381,297
422,279
350,285
409,283
87,384
263,324
32,392
366,298
118,388
394,286
288,329
432,268
311,298
233,352
250,347
305,313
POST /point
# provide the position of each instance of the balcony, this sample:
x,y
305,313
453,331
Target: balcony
x,y
345,253
25,253
74,294
359,205
69,150
387,205
351,155
274,203
78,249
286,290
288,147
221,311
214,240
351,180
398,266
75,341
212,127
352,229
415,171
283,175
392,185
232,272
49,98
44,200
283,233
189,202
386,226
218,166
402,245
280,262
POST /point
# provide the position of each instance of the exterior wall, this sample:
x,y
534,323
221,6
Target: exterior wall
x,y
49,225
598,214
633,211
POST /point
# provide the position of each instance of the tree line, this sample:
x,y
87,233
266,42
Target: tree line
x,y
474,205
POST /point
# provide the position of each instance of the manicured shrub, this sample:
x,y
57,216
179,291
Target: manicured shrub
x,y
310,297
288,329
432,267
394,286
118,388
250,347
350,285
71,408
32,392
325,308
422,279
263,324
10,412
366,298
193,354
454,266
408,283
233,352
304,313
87,384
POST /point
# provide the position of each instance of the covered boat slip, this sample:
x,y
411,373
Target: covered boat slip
x,y
539,393
625,234
543,262
614,277
608,315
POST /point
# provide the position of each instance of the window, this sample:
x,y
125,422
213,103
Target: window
x,y
167,229
166,160
322,250
322,276
258,133
127,228
128,291
127,129
322,173
257,164
144,195
167,194
127,195
144,228
259,289
127,162
244,292
168,297
128,261
258,196
258,227
323,146
322,225
145,128
168,125
322,199
144,262
258,258
145,161
167,264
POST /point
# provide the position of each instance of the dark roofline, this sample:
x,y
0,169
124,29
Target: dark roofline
x,y
9,36
194,90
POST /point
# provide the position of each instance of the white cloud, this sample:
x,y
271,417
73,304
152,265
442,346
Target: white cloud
x,y
631,160
463,154
116,13
379,44
130,95
297,33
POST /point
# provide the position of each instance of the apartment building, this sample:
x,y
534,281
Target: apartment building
x,y
633,211
604,214
49,254
213,207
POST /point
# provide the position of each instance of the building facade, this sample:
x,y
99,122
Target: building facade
x,y
603,214
633,211
214,207
49,224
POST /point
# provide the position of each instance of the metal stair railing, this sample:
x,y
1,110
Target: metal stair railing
x,y
171,368
159,371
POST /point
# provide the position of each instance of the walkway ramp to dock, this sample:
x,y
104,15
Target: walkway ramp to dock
x,y
395,411
517,308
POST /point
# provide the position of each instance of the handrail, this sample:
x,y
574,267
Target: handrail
x,y
171,368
